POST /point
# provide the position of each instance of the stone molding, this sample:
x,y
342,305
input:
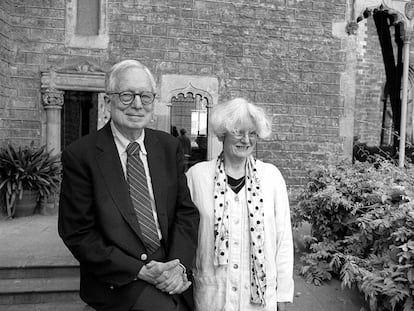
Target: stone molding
x,y
80,76
92,81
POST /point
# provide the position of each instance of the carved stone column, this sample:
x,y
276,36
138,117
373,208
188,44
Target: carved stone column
x,y
53,102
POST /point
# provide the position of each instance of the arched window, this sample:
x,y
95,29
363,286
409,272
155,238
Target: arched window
x,y
189,113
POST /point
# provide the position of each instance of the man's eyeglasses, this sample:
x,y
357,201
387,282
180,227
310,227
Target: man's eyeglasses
x,y
239,135
126,98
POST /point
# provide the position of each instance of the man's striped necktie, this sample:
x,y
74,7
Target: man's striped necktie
x,y
138,190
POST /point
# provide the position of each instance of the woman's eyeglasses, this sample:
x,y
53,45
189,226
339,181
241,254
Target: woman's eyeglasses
x,y
239,134
126,98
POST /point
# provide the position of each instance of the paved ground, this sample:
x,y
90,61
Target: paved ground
x,y
34,240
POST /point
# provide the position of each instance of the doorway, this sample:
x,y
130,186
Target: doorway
x,y
79,116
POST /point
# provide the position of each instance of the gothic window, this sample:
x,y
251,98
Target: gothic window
x,y
189,113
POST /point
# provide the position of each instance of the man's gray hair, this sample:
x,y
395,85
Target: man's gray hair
x,y
113,74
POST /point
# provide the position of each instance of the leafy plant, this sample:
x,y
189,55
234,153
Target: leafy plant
x,y
362,219
27,168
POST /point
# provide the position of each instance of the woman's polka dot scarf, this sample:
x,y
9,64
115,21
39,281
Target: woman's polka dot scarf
x,y
256,226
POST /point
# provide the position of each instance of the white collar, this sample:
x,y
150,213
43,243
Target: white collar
x,y
124,142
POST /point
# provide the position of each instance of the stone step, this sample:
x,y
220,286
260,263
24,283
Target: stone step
x,y
39,290
29,272
52,306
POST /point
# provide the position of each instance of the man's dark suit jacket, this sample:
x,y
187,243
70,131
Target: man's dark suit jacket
x,y
98,224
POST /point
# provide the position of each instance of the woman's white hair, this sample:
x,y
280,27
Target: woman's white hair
x,y
233,114
113,74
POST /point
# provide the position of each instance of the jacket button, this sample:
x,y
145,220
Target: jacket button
x,y
111,287
144,257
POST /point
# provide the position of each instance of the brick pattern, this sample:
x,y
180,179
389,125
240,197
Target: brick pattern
x,y
278,53
5,58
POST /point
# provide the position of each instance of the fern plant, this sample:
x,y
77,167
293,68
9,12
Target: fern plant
x,y
362,219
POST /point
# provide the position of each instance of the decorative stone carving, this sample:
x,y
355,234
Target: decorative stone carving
x,y
81,67
401,10
351,28
191,89
52,99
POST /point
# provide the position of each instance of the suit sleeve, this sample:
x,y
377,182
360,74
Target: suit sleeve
x,y
184,235
78,227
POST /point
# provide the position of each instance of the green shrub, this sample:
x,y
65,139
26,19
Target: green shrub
x,y
362,219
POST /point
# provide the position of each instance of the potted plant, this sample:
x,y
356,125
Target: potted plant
x,y
49,192
25,174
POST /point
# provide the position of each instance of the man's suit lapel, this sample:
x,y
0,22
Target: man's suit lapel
x,y
156,163
110,165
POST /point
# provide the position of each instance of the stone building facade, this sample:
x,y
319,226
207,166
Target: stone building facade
x,y
320,85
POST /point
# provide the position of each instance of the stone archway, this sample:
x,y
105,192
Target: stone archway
x,y
81,76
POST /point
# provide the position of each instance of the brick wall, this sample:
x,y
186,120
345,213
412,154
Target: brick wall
x,y
5,57
278,53
370,82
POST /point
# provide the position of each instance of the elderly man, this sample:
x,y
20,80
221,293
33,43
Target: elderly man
x,y
125,209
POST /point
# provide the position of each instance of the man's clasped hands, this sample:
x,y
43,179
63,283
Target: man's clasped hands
x,y
168,276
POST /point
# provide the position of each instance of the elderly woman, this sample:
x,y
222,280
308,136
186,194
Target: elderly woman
x,y
244,259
